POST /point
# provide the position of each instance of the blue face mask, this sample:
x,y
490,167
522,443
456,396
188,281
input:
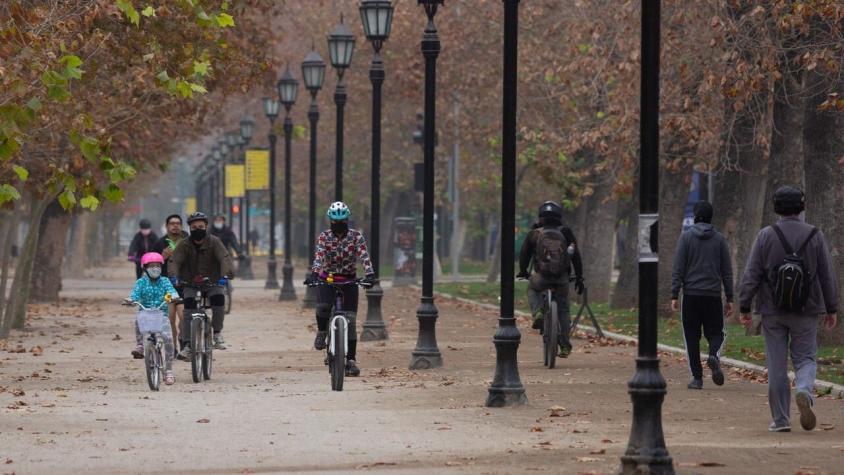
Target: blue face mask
x,y
154,272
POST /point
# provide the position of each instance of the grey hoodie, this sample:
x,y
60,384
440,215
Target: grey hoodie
x,y
702,263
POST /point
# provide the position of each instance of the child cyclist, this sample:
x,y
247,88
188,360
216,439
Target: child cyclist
x,y
151,291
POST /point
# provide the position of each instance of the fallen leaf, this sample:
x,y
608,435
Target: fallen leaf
x,y
86,379
18,392
116,338
204,421
587,459
536,429
598,452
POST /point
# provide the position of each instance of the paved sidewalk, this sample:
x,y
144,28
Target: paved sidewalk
x,y
83,406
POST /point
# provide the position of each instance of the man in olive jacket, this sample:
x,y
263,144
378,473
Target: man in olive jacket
x,y
199,257
794,331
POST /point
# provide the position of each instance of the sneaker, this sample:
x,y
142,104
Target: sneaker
x,y
715,365
319,342
352,368
565,351
169,379
538,321
695,384
775,428
185,354
219,342
807,416
138,352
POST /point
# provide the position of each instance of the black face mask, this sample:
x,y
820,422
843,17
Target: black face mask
x,y
339,227
197,234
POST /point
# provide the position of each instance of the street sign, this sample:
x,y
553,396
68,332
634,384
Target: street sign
x,y
257,170
190,205
234,181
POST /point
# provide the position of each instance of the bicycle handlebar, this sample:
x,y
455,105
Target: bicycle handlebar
x,y
360,281
133,303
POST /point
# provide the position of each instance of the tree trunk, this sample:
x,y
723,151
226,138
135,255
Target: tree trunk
x,y
823,144
673,194
52,243
596,244
495,265
626,292
78,256
7,232
16,308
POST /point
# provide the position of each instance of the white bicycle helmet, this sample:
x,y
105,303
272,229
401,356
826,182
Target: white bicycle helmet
x,y
338,211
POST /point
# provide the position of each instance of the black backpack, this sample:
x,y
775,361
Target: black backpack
x,y
791,280
551,258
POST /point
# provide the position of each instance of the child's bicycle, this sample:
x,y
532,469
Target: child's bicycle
x,y
338,332
150,321
201,341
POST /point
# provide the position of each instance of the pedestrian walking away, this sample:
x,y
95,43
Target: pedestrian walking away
x,y
701,267
790,275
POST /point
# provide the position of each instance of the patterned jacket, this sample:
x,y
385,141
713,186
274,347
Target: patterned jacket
x,y
335,255
151,293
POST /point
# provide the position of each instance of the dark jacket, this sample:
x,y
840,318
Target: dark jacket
x,y
228,237
206,259
529,248
702,263
141,245
163,244
768,254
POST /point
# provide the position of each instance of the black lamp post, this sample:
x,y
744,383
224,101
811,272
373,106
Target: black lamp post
x,y
646,451
288,88
341,45
271,111
313,73
219,192
427,355
506,388
377,17
233,142
247,128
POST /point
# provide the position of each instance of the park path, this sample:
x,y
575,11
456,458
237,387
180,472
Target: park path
x,y
74,402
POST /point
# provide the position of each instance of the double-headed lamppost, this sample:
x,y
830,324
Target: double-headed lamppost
x,y
313,73
377,17
271,110
426,354
288,88
506,388
646,451
247,128
341,45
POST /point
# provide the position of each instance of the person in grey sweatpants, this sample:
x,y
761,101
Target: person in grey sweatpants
x,y
701,267
786,331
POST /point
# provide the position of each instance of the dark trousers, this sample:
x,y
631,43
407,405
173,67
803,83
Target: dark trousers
x,y
707,313
326,296
537,285
217,299
139,271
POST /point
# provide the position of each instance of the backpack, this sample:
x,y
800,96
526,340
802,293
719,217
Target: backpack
x,y
551,258
792,281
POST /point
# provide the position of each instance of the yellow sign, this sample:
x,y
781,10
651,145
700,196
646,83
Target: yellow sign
x,y
190,205
234,181
257,170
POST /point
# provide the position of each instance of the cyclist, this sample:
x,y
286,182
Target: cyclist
x,y
225,234
201,256
165,246
151,291
552,248
141,244
337,253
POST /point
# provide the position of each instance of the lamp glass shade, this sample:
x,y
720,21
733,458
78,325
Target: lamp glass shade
x,y
341,46
288,88
271,107
313,71
377,19
231,139
247,128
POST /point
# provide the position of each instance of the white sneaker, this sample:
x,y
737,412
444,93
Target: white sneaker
x,y
219,342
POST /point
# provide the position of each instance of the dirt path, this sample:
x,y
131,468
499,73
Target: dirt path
x,y
82,405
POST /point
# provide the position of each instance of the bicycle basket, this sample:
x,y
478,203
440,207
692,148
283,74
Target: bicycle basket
x,y
150,321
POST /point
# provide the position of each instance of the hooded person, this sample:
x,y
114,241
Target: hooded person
x,y
702,269
141,244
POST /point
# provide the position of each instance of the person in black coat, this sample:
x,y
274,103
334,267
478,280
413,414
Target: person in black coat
x,y
142,243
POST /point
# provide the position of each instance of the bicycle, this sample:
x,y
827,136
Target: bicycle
x,y
338,332
201,340
150,321
229,291
551,327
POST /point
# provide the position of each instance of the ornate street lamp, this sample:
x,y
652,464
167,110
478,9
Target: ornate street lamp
x,y
288,88
427,354
247,128
271,111
341,46
313,73
377,17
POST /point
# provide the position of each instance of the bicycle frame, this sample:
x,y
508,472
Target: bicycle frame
x,y
338,315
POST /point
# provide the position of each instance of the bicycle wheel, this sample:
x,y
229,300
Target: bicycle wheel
x,y
153,365
338,359
229,291
206,355
552,326
197,334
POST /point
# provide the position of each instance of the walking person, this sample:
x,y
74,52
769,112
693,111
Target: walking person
x,y
701,267
141,244
790,273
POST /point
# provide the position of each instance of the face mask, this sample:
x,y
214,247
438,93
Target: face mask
x,y
145,232
154,272
197,234
218,225
339,227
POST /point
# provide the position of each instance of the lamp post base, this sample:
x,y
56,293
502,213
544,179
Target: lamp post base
x,y
244,269
310,299
287,290
374,328
506,388
646,452
272,280
426,355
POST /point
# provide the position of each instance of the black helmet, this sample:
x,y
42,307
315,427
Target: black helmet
x,y
197,216
789,200
550,209
144,224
